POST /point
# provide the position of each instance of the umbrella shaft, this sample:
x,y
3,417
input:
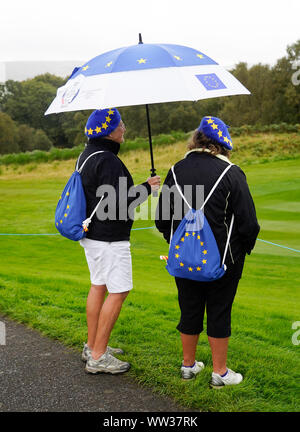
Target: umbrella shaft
x,y
153,173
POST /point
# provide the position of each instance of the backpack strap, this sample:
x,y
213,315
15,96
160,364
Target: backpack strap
x,y
202,207
228,239
232,217
182,196
86,222
216,184
178,187
77,165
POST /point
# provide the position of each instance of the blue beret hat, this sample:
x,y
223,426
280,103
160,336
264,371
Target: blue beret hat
x,y
102,122
216,129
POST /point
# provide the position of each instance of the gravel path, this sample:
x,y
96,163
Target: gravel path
x,y
40,374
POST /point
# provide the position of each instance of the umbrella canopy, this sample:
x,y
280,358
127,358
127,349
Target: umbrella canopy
x,y
144,74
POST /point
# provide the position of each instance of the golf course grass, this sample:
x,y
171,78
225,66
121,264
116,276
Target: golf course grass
x,y
44,282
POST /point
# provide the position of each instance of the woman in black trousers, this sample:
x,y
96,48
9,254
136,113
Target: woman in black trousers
x,y
208,156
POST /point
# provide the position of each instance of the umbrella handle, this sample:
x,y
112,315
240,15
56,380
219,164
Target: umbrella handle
x,y
152,170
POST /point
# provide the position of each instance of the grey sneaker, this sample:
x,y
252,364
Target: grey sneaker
x,y
190,372
106,363
231,378
86,352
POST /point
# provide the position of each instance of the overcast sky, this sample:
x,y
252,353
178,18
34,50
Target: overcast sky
x,y
229,31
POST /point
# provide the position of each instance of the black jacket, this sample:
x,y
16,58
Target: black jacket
x,y
231,195
106,169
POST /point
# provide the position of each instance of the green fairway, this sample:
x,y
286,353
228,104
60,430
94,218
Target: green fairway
x,y
44,282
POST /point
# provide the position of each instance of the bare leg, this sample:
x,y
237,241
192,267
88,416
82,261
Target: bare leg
x,y
189,345
219,347
108,316
94,304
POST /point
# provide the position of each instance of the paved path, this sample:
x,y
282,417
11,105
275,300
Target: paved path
x,y
40,374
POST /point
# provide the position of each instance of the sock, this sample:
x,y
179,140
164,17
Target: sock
x,y
224,374
189,366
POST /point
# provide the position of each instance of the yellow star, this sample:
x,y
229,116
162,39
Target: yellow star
x,y
210,121
177,247
65,215
85,130
190,269
104,125
204,261
98,129
220,133
110,112
141,60
90,131
85,68
198,237
60,221
108,119
214,126
68,206
181,264
205,252
186,234
108,64
176,256
200,55
201,243
182,239
198,268
226,139
177,58
68,193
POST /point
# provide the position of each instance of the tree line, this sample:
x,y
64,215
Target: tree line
x,y
275,98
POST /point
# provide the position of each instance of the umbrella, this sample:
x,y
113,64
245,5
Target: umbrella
x,y
144,74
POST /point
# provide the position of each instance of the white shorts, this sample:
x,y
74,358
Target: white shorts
x,y
109,264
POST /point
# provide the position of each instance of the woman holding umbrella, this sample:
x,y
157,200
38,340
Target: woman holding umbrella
x,y
208,157
106,244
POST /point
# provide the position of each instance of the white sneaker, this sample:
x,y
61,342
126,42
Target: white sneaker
x,y
106,363
87,352
231,378
190,372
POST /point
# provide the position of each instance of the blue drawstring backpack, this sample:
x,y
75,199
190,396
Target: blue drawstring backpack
x,y
193,252
70,213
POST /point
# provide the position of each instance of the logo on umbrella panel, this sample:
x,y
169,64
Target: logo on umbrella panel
x,y
72,91
211,81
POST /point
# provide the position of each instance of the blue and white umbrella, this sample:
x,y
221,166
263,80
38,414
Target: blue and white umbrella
x,y
144,74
